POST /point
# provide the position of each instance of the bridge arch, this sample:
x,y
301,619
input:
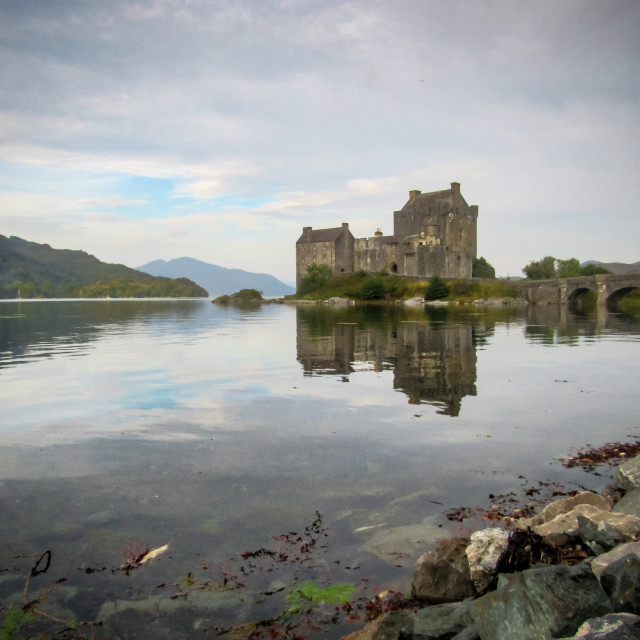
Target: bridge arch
x,y
614,298
577,296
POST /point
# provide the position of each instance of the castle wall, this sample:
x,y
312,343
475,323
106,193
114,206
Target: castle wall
x,y
376,254
331,247
344,253
313,253
434,234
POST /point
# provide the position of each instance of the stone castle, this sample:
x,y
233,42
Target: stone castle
x,y
433,234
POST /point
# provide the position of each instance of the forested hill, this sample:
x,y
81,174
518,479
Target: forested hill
x,y
29,269
217,280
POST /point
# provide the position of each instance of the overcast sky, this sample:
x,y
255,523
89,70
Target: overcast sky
x,y
218,129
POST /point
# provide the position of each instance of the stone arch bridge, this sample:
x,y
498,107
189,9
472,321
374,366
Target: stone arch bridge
x,y
610,289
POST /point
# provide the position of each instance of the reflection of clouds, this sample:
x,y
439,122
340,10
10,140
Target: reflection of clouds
x,y
198,381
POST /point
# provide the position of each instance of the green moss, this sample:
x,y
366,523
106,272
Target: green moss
x,y
13,622
309,593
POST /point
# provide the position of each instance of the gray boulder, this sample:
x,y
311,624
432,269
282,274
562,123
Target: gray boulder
x,y
628,475
629,503
563,506
599,563
603,536
442,575
484,552
614,626
539,603
441,622
621,582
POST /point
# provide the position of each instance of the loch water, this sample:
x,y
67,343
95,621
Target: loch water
x,y
277,445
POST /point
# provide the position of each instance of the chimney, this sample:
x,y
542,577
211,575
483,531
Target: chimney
x,y
455,190
345,225
414,194
378,233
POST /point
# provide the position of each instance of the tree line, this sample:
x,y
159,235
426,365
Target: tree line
x,y
549,268
119,288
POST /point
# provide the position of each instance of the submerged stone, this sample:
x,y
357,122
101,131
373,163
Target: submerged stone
x,y
400,545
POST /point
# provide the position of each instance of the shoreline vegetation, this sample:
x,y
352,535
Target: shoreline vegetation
x,y
393,288
383,287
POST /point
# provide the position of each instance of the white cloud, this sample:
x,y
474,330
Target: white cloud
x,y
266,117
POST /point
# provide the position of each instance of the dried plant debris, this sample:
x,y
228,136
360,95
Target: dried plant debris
x,y
611,453
509,507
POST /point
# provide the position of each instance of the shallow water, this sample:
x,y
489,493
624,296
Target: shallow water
x,y
131,424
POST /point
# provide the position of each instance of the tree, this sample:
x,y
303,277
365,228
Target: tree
x,y
544,269
317,275
568,268
482,269
437,289
593,270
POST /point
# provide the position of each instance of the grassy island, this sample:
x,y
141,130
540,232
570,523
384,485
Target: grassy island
x,y
391,287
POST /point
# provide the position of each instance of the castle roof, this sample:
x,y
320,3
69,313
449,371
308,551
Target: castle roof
x,y
322,235
422,200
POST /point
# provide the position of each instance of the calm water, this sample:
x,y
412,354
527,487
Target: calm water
x,y
132,424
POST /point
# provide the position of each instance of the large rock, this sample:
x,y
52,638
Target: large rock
x,y
540,603
442,575
599,564
368,631
441,622
564,505
612,530
628,475
629,504
396,624
621,582
614,626
483,553
568,522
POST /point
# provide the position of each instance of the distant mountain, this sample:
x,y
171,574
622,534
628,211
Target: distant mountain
x,y
218,281
29,270
621,268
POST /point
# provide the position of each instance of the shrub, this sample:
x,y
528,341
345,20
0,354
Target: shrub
x,y
437,289
372,289
317,275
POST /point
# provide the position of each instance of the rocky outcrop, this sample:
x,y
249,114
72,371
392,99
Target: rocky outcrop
x,y
339,302
542,602
483,553
628,476
572,571
443,575
610,627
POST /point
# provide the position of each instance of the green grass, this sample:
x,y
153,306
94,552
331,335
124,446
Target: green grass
x,y
356,285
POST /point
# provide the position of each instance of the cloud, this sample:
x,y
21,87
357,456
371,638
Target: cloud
x,y
266,117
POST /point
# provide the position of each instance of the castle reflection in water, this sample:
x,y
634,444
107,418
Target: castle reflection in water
x,y
432,361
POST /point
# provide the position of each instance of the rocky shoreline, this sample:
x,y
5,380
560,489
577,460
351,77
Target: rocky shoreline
x,y
571,571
